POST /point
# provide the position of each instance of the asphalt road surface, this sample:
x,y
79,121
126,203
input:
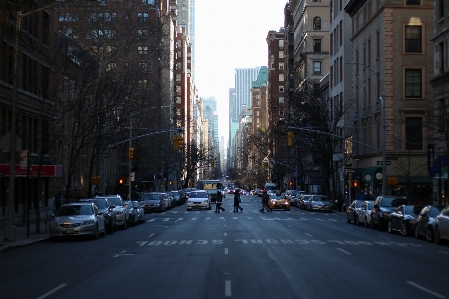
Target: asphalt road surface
x,y
203,254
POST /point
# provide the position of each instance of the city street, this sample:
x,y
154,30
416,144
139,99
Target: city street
x,y
203,254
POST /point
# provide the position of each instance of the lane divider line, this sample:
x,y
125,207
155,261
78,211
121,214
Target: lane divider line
x,y
226,251
52,291
228,292
425,290
344,251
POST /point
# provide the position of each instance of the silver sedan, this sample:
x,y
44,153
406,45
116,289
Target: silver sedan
x,y
77,219
364,213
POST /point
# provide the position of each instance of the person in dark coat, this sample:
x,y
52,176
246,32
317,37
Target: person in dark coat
x,y
265,202
236,201
219,202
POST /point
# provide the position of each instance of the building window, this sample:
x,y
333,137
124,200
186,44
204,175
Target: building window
x,y
441,8
412,2
142,50
281,88
377,44
178,77
178,100
413,133
143,67
316,23
281,44
142,17
441,62
413,39
148,2
281,77
317,45
178,89
142,83
281,101
281,54
142,32
317,67
413,83
281,65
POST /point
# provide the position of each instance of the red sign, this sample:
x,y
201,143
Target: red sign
x,y
45,171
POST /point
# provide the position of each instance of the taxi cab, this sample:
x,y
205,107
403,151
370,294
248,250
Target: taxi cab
x,y
278,201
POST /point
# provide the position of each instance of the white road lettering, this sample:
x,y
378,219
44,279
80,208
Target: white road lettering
x,y
335,241
142,242
201,242
242,240
344,251
188,242
52,291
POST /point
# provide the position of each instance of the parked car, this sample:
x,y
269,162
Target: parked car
x,y
302,201
105,207
121,212
77,219
364,213
278,201
175,194
404,219
383,207
132,213
152,201
140,211
167,199
319,203
426,222
353,210
442,226
259,192
198,199
185,194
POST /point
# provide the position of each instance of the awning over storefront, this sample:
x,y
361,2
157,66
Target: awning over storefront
x,y
402,180
372,175
45,170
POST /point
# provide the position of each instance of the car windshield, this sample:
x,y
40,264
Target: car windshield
x,y
319,198
115,201
435,211
393,201
100,203
75,210
175,192
412,209
150,196
370,205
306,197
198,195
358,204
135,204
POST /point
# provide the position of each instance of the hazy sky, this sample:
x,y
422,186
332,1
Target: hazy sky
x,y
231,34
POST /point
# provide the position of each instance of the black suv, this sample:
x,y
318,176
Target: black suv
x,y
383,207
105,207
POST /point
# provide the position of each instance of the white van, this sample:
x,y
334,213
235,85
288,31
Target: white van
x,y
270,186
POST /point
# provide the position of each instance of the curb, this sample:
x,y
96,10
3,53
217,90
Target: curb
x,y
10,246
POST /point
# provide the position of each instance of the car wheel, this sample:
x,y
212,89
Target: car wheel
x,y
115,227
103,234
436,236
390,229
358,221
429,234
111,228
125,224
404,230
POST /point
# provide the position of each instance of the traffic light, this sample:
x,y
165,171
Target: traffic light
x,y
355,184
178,142
130,153
265,165
289,138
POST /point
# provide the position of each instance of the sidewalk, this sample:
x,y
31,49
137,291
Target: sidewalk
x,y
21,236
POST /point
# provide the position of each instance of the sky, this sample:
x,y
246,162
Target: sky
x,y
231,34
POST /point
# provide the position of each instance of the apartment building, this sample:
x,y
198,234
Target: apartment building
x,y
391,70
311,37
440,83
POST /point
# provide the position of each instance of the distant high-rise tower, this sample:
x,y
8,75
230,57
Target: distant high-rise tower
x,y
243,81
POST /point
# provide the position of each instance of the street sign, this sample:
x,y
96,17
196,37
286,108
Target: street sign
x,y
23,159
379,163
